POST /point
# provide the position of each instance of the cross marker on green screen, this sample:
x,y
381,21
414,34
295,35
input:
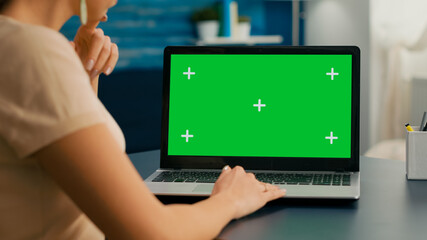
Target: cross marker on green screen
x,y
187,135
259,105
331,137
332,73
189,73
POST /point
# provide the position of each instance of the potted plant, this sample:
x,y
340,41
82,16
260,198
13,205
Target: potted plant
x,y
207,23
244,27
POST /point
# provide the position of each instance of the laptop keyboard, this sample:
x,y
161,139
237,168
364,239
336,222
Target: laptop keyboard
x,y
273,178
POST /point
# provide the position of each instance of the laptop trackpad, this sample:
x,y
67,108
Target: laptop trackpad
x,y
203,188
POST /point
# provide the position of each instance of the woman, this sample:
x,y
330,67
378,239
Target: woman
x,y
63,170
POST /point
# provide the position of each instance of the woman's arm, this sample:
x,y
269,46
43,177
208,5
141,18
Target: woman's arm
x,y
102,181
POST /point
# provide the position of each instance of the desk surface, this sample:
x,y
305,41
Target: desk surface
x,y
390,207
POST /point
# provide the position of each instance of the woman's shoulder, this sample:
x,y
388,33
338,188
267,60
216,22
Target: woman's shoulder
x,y
40,61
39,52
27,41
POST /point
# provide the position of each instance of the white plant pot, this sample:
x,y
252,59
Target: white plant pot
x,y
208,30
244,30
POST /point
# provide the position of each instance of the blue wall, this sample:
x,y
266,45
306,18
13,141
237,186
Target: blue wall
x,y
142,28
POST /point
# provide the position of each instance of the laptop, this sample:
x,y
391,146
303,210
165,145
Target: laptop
x,y
290,115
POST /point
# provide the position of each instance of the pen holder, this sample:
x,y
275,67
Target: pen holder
x,y
416,155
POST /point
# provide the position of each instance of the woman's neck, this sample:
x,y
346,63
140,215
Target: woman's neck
x,y
49,13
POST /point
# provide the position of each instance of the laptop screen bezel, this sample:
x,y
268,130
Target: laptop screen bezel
x,y
264,163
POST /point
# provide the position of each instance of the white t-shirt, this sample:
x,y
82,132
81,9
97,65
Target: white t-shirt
x,y
45,95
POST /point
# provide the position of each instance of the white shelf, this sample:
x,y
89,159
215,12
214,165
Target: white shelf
x,y
252,40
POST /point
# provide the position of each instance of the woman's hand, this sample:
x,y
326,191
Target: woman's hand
x,y
96,51
245,191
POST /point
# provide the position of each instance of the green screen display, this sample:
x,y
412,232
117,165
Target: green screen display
x,y
260,105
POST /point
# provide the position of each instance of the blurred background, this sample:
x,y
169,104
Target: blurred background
x,y
392,36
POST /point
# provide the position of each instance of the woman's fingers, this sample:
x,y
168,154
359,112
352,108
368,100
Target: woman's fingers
x,y
251,175
112,61
244,190
265,187
270,187
273,194
239,170
91,25
96,51
225,170
95,47
103,57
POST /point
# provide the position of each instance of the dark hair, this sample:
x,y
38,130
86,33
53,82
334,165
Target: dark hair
x,y
3,4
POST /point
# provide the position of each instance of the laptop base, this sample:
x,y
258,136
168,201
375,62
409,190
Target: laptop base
x,y
292,190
